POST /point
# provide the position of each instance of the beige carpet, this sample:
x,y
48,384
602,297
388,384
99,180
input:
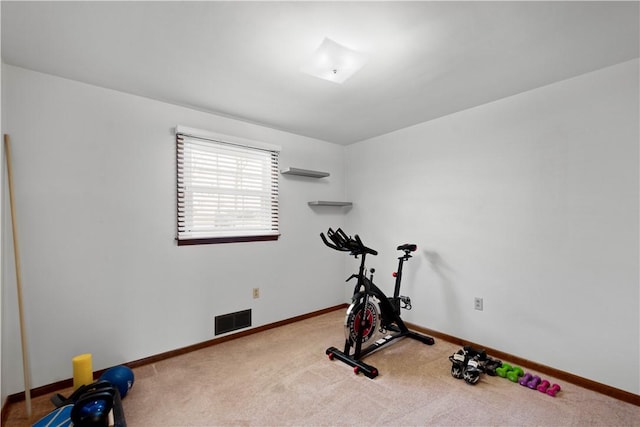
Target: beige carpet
x,y
282,377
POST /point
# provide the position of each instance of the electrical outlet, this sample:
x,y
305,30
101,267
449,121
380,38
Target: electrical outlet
x,y
256,293
477,303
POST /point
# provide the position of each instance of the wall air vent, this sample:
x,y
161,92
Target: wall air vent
x,y
232,321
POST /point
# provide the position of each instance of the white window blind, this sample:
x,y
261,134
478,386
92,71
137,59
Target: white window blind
x,y
226,192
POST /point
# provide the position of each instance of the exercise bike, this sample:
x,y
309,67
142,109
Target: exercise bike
x,y
373,319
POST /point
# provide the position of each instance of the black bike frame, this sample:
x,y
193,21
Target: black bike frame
x,y
389,307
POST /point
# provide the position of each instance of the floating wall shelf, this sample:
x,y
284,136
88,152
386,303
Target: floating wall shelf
x,y
327,203
304,172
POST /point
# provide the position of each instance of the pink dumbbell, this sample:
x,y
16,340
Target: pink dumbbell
x,y
553,390
544,386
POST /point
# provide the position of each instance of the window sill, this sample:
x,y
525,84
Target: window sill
x,y
216,240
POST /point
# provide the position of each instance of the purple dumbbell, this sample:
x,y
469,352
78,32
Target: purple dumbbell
x,y
524,380
544,386
533,384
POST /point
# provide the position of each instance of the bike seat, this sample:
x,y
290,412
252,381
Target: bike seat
x,y
408,247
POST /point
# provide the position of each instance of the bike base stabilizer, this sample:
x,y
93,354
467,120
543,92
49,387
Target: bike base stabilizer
x,y
358,365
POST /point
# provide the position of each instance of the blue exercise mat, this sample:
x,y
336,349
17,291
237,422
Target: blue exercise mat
x,y
60,417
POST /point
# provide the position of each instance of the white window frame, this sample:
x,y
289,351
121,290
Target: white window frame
x,y
227,188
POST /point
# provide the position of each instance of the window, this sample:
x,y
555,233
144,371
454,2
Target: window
x,y
227,189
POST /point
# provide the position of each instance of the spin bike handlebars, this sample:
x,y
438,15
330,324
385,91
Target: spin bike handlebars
x,y
340,241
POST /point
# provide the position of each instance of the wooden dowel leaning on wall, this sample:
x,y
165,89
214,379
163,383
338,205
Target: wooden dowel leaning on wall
x,y
23,335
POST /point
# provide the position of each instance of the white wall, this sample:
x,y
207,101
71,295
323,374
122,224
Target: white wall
x,y
95,191
530,202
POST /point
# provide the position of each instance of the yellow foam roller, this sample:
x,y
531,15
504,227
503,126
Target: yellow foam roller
x,y
82,370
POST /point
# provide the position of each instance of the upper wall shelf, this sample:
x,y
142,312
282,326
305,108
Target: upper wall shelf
x,y
328,203
304,172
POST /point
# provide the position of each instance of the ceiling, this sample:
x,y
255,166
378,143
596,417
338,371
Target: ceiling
x,y
242,59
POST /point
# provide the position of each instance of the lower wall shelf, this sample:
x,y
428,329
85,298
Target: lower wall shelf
x,y
329,203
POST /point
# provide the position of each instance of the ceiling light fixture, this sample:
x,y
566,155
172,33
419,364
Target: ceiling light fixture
x,y
334,62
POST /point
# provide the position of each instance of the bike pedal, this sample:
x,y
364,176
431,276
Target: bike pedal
x,y
406,302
